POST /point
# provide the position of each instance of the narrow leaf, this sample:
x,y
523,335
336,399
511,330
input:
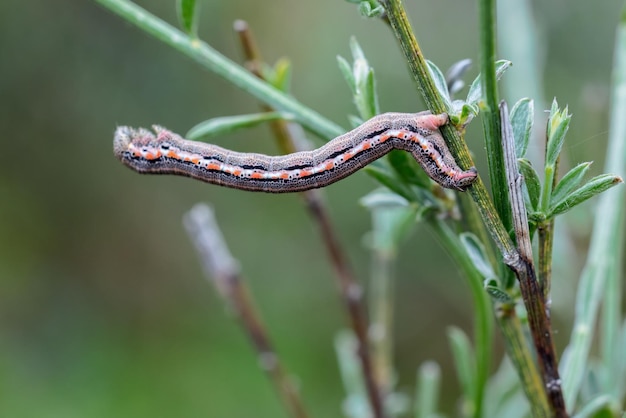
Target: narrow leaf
x,y
569,182
498,295
466,114
554,108
371,95
350,370
477,253
475,93
408,169
440,84
593,187
602,402
393,219
427,393
357,51
454,75
360,78
366,10
558,124
355,121
382,198
531,181
187,16
390,182
226,124
346,71
522,116
282,75
463,355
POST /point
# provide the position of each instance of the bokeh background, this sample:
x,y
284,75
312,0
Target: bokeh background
x,y
104,309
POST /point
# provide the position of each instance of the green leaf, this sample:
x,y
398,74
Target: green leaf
x,y
454,75
371,95
522,116
532,183
390,182
464,115
474,95
383,198
187,16
427,392
569,182
593,187
601,402
361,80
463,355
408,169
355,121
477,254
393,218
498,295
366,9
440,84
346,348
346,71
365,96
226,124
369,8
554,109
558,124
282,75
357,51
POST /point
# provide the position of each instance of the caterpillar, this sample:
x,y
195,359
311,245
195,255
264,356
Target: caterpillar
x,y
164,152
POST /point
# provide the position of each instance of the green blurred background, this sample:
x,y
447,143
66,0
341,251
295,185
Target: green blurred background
x,y
104,310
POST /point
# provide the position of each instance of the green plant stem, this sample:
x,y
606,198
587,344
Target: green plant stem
x,y
381,316
483,325
490,113
222,66
523,362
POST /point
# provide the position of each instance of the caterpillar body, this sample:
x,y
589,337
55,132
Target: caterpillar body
x,y
164,152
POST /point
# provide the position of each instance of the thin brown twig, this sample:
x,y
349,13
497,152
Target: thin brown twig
x,y
289,137
223,270
522,265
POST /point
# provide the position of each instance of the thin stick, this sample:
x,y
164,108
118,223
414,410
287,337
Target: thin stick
x,y
223,270
288,136
524,269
